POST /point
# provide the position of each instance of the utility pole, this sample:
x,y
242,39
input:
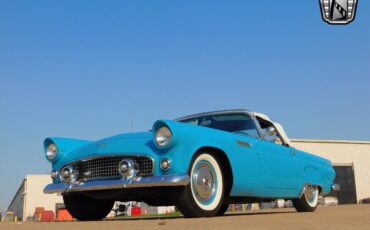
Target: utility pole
x,y
132,120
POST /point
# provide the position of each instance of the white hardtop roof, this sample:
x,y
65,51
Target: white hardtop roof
x,y
278,126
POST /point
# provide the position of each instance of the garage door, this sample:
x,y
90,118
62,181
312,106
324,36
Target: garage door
x,y
346,179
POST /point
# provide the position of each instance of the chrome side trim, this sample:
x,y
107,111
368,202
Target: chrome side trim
x,y
335,187
137,182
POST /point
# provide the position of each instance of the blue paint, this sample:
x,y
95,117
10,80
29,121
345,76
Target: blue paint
x,y
263,170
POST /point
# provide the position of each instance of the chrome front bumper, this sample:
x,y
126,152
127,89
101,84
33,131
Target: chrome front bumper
x,y
138,182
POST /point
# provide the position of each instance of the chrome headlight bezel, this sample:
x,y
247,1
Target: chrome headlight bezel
x,y
163,136
51,151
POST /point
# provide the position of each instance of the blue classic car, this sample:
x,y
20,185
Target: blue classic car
x,y
200,163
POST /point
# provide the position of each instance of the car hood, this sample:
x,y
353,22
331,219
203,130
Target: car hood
x,y
122,144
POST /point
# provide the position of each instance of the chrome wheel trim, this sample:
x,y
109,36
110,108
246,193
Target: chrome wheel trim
x,y
206,182
311,194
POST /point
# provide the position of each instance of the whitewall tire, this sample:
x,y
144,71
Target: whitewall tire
x,y
309,200
204,195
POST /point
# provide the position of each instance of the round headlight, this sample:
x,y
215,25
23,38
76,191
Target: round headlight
x,y
51,151
163,136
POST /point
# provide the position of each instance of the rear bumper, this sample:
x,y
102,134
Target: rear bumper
x,y
335,187
138,182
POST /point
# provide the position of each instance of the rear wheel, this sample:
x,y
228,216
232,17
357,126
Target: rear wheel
x,y
203,196
85,208
309,199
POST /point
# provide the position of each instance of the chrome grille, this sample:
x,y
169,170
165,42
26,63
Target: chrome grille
x,y
107,167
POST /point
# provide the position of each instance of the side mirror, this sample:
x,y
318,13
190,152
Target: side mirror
x,y
270,131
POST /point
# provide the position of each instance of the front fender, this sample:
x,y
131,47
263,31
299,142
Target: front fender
x,y
188,139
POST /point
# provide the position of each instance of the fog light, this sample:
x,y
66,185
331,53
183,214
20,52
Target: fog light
x,y
165,164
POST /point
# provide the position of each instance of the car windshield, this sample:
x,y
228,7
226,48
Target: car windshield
x,y
237,123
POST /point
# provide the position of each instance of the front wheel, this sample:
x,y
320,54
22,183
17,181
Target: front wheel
x,y
222,210
85,208
309,199
203,196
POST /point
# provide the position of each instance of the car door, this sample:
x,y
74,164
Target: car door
x,y
247,167
241,145
281,167
281,171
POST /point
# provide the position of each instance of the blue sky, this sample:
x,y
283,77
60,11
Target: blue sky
x,y
82,69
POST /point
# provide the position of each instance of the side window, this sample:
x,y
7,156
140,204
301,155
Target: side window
x,y
241,124
249,128
194,121
264,126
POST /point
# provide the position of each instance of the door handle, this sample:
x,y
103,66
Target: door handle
x,y
293,152
245,144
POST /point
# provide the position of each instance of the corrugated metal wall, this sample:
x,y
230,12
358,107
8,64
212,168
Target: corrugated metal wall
x,y
343,152
37,198
17,204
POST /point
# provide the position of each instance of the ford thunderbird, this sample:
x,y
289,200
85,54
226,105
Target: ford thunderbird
x,y
200,163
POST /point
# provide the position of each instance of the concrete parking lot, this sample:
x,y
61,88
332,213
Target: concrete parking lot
x,y
334,217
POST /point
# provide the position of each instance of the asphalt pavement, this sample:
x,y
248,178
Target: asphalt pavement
x,y
332,217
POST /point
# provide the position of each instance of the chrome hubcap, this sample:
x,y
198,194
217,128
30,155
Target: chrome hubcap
x,y
203,182
310,193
